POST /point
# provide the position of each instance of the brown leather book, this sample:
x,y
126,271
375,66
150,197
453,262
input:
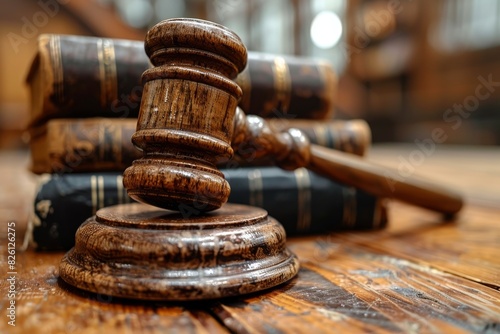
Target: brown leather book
x,y
80,76
277,86
104,144
82,145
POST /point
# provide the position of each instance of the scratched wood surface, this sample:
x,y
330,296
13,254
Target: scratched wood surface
x,y
350,289
419,275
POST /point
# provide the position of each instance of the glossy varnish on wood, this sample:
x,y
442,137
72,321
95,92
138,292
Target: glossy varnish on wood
x,y
139,251
419,275
186,119
184,128
344,285
188,122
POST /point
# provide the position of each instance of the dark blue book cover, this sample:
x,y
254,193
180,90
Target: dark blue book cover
x,y
303,202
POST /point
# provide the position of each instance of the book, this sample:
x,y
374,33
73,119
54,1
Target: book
x,y
284,86
78,76
81,76
82,145
303,202
104,144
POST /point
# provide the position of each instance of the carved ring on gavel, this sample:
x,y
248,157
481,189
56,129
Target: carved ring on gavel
x,y
187,123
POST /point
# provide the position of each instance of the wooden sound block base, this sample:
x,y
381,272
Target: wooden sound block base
x,y
143,252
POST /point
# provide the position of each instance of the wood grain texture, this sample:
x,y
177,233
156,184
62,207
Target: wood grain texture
x,y
184,127
466,247
143,252
385,182
44,304
187,108
346,288
341,287
344,276
471,170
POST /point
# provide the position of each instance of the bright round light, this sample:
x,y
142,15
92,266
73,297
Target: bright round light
x,y
326,30
137,13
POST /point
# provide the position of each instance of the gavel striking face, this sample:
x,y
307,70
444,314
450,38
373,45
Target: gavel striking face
x,y
189,121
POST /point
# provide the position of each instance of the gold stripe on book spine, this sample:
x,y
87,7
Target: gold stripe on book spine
x,y
119,189
329,79
321,133
304,199
58,84
100,185
256,187
123,197
282,84
107,71
93,193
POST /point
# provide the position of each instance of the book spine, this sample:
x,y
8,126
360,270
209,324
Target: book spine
x,y
83,145
64,202
353,136
103,144
79,76
287,87
85,77
303,202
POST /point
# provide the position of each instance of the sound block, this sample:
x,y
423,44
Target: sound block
x,y
143,252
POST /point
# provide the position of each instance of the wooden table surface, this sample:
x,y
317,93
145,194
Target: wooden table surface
x,y
419,275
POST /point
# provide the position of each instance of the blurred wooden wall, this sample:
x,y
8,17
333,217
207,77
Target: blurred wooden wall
x,y
413,64
402,64
21,22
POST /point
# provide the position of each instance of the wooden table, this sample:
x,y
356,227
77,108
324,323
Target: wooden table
x,y
420,274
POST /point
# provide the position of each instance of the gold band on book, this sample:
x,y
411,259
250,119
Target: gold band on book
x,y
282,84
256,188
58,84
93,193
107,71
304,199
321,132
97,192
121,192
329,80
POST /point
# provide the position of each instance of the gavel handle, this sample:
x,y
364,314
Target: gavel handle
x,y
381,181
291,149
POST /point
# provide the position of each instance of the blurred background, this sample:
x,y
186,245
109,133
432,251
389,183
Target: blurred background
x,y
406,67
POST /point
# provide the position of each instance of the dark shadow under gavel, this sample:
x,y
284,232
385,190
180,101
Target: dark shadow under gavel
x,y
187,124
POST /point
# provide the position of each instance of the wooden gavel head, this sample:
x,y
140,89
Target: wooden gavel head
x,y
185,123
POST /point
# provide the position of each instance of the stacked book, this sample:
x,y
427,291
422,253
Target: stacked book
x,y
86,95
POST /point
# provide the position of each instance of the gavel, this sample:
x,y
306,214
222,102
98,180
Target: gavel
x,y
189,120
178,244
